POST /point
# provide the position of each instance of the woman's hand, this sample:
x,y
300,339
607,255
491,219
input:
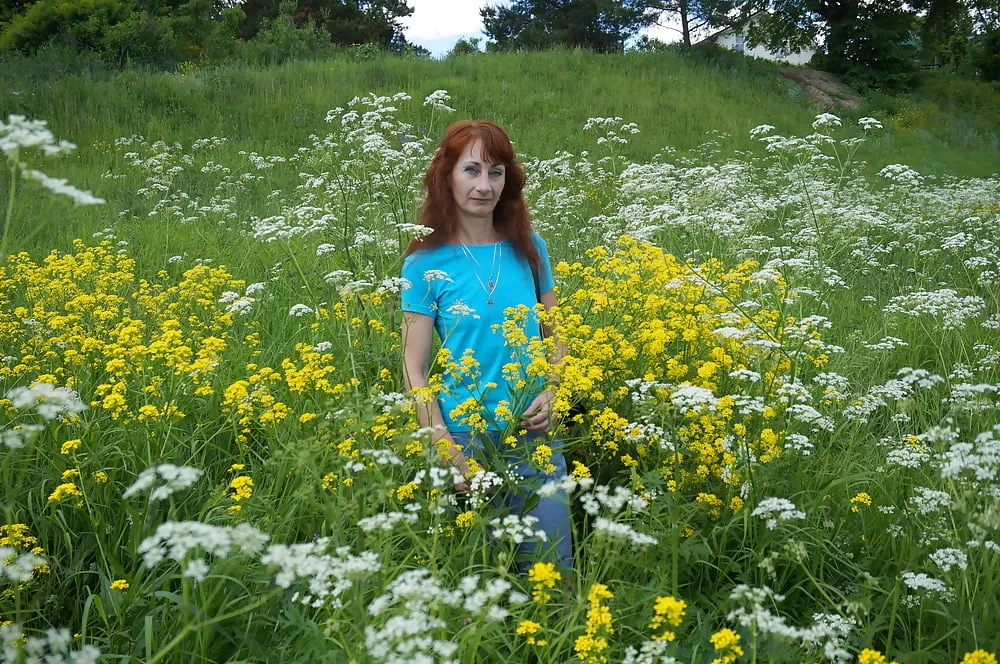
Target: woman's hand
x,y
538,415
455,458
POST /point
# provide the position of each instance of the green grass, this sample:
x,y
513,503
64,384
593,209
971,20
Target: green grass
x,y
868,240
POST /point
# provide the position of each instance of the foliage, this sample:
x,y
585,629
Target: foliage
x,y
788,454
465,47
348,23
694,15
196,30
599,25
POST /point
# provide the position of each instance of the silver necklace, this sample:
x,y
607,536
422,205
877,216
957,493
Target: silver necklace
x,y
491,284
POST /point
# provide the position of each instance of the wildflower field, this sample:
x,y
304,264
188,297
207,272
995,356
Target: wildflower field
x,y
786,362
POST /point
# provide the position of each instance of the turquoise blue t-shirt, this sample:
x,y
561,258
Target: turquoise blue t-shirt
x,y
444,286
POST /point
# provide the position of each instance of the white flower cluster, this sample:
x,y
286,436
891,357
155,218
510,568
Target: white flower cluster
x,y
948,558
19,133
174,478
388,521
236,303
901,173
650,652
566,484
979,460
47,400
775,510
326,576
415,608
52,647
18,568
879,396
613,501
929,501
830,631
623,531
688,398
613,130
299,310
518,529
923,585
945,304
437,100
20,435
177,539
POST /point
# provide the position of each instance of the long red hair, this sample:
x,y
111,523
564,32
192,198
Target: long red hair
x,y
511,219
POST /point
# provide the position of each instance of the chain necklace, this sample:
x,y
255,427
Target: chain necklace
x,y
491,283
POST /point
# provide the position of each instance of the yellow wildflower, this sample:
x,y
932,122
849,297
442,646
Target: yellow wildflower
x,y
860,499
727,643
979,657
466,519
544,577
242,487
70,446
64,491
119,584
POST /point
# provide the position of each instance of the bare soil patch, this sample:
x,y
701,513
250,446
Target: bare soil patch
x,y
822,88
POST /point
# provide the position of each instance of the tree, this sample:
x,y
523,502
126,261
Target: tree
x,y
348,22
601,25
694,15
866,41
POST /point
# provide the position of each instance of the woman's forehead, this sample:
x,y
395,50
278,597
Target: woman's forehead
x,y
474,152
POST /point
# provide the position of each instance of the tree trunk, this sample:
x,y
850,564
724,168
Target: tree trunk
x,y
682,7
840,16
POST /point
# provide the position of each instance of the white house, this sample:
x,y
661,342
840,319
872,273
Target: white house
x,y
735,40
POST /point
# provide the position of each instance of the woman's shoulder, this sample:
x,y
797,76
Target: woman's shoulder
x,y
427,259
539,242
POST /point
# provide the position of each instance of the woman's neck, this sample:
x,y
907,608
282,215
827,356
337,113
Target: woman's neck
x,y
477,233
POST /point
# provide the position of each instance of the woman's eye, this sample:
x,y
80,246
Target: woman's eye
x,y
471,170
496,174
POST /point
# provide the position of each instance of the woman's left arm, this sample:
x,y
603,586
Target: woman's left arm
x,y
538,416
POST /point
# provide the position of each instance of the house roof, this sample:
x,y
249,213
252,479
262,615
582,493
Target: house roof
x,y
729,28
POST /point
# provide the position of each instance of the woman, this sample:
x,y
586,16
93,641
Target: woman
x,y
481,259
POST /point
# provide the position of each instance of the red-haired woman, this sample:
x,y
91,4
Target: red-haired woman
x,y
481,259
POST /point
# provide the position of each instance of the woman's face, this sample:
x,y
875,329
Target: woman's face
x,y
475,184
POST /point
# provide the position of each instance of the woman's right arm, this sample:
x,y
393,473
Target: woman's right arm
x,y
417,335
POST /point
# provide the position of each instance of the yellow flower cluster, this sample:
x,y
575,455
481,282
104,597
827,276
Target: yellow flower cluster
x,y
541,458
544,577
979,657
589,647
15,536
667,610
727,643
869,656
90,316
466,519
64,491
859,500
120,585
529,629
241,489
635,313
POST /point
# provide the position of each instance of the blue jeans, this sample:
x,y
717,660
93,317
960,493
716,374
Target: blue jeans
x,y
553,512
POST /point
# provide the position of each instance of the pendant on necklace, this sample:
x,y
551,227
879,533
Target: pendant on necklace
x,y
489,284
490,301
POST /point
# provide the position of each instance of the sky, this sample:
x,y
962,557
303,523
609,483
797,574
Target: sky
x,y
438,24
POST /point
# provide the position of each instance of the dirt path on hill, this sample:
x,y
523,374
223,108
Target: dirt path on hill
x,y
823,89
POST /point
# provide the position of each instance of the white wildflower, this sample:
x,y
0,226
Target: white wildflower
x,y
174,478
773,510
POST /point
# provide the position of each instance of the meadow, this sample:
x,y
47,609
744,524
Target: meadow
x,y
781,326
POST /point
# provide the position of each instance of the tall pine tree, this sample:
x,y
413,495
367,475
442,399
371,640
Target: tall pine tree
x,y
600,25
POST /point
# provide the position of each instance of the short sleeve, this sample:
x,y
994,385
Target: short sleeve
x,y
545,280
420,296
